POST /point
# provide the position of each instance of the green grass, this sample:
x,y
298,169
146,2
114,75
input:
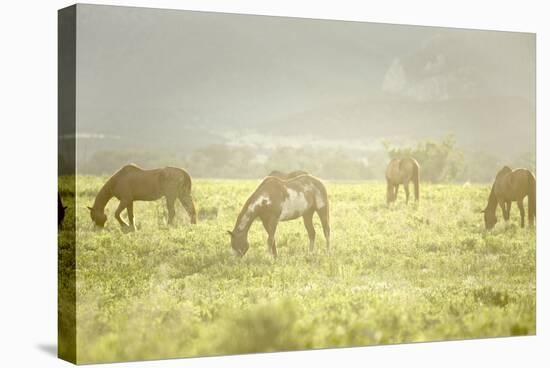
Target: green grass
x,y
394,275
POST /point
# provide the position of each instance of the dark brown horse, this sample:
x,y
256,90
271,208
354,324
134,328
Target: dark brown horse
x,y
281,200
511,186
402,171
132,183
285,176
60,211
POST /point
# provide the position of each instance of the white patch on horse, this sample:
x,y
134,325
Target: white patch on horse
x,y
261,200
293,206
319,201
308,187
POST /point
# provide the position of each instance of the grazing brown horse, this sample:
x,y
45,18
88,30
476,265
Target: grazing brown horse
x,y
511,186
284,176
281,200
132,183
402,171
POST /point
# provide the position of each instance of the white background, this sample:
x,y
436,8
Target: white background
x,y
28,144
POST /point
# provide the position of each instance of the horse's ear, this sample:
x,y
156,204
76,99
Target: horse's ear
x,y
230,232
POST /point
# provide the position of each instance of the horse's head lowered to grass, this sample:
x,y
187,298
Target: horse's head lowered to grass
x,y
239,243
276,200
511,186
401,172
490,218
132,183
98,217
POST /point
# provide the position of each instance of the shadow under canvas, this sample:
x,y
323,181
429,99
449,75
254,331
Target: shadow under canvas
x,y
50,349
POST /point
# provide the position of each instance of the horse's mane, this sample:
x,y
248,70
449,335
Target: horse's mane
x,y
492,200
104,192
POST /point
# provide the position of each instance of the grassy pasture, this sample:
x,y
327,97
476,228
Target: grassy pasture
x,y
394,275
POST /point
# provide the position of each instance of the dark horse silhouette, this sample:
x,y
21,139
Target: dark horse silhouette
x,y
132,183
511,186
281,200
402,171
60,211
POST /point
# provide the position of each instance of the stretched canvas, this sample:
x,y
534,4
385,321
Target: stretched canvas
x,y
234,184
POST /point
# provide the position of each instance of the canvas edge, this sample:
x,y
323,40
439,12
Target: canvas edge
x,y
66,78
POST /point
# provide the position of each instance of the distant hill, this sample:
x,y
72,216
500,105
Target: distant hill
x,y
474,122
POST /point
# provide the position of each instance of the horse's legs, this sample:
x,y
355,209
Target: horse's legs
x,y
171,210
389,193
395,194
187,203
130,211
324,217
308,223
121,206
505,212
521,212
530,212
270,226
406,187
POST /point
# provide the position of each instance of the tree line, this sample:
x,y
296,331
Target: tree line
x,y
440,161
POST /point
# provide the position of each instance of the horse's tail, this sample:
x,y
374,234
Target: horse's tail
x,y
187,184
189,203
416,181
532,196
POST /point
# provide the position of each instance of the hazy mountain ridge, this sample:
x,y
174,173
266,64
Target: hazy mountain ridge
x,y
474,123
188,80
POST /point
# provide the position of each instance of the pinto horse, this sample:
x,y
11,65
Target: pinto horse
x,y
402,171
282,200
511,186
132,183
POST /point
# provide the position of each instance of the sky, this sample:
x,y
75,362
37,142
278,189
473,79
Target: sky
x,y
176,79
